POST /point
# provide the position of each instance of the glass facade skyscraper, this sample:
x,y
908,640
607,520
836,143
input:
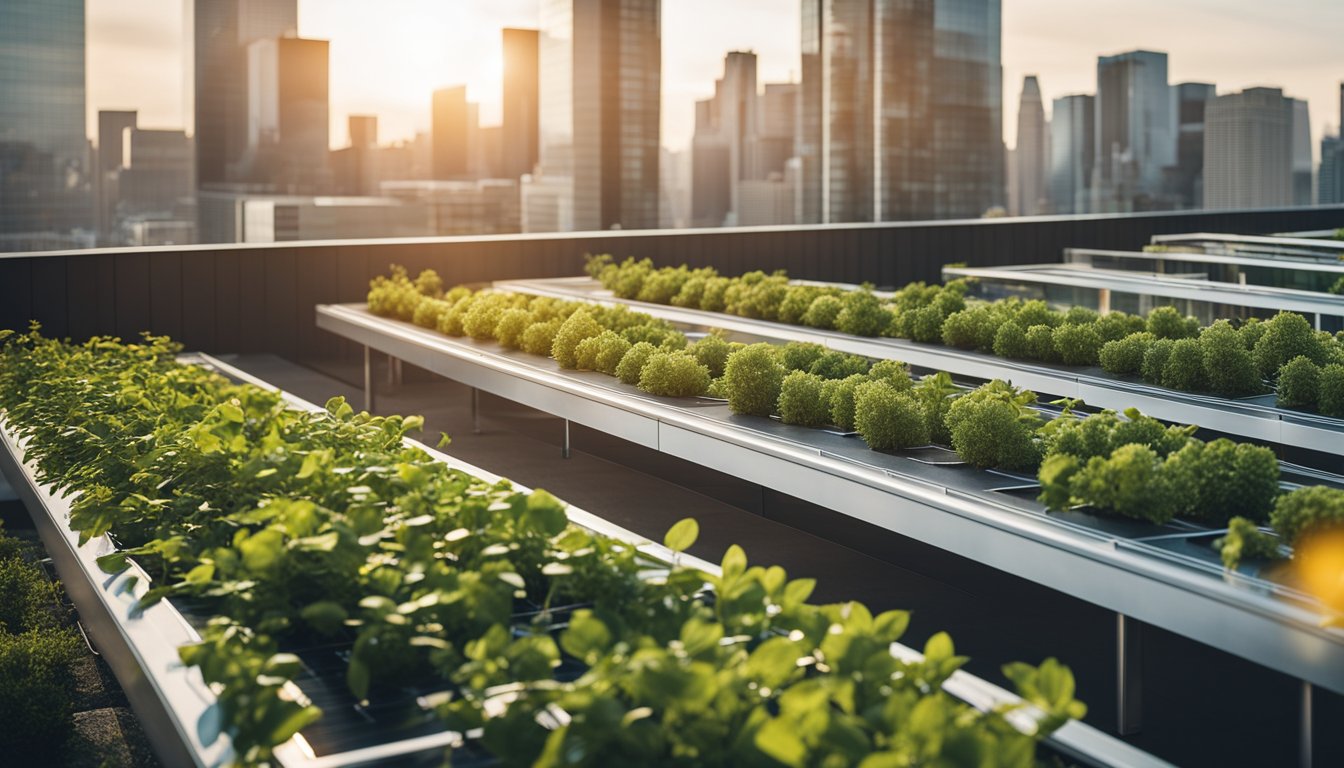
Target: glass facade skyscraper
x,y
1135,141
967,108
44,151
223,30
901,113
1072,153
600,112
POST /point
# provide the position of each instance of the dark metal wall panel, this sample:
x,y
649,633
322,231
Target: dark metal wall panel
x,y
253,333
200,301
133,297
282,311
50,299
81,286
228,301
165,294
16,293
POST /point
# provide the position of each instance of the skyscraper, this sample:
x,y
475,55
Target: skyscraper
x,y
1033,140
1072,148
865,135
727,126
111,123
223,30
1187,178
776,129
450,126
1134,132
288,116
43,148
600,83
1330,180
1248,150
967,108
1301,129
519,138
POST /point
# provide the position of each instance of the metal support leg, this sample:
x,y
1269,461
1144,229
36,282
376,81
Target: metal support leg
x,y
393,370
1128,675
475,411
368,379
1304,733
564,452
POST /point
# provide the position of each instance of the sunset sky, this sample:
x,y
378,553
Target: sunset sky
x,y
387,57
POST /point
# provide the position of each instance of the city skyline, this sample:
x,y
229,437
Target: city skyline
x,y
137,51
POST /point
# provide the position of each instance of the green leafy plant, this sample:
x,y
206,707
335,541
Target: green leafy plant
x,y
674,374
574,330
801,400
993,426
1299,383
1124,357
631,367
1077,344
887,418
752,380
838,395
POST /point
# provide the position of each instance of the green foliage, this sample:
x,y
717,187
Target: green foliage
x,y
428,312
1234,480
1184,368
674,374
513,323
839,397
894,372
1285,337
1077,344
578,327
888,419
540,337
1041,344
823,312
1130,483
801,400
837,365
712,352
797,300
1155,360
602,352
712,300
1167,323
752,380
480,321
1307,510
394,295
293,528
1118,325
800,355
1011,341
1245,541
935,393
862,314
36,694
1299,384
993,426
971,328
631,367
27,599
1124,357
1331,398
1229,368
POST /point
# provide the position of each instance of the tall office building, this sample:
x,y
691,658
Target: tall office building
x,y
1302,160
111,123
1135,140
865,137
1072,148
776,129
600,83
726,129
1248,150
1330,179
1032,153
518,141
356,169
1187,177
44,152
967,97
223,30
288,116
450,125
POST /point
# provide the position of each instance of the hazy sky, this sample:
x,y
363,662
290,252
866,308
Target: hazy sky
x,y
386,57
